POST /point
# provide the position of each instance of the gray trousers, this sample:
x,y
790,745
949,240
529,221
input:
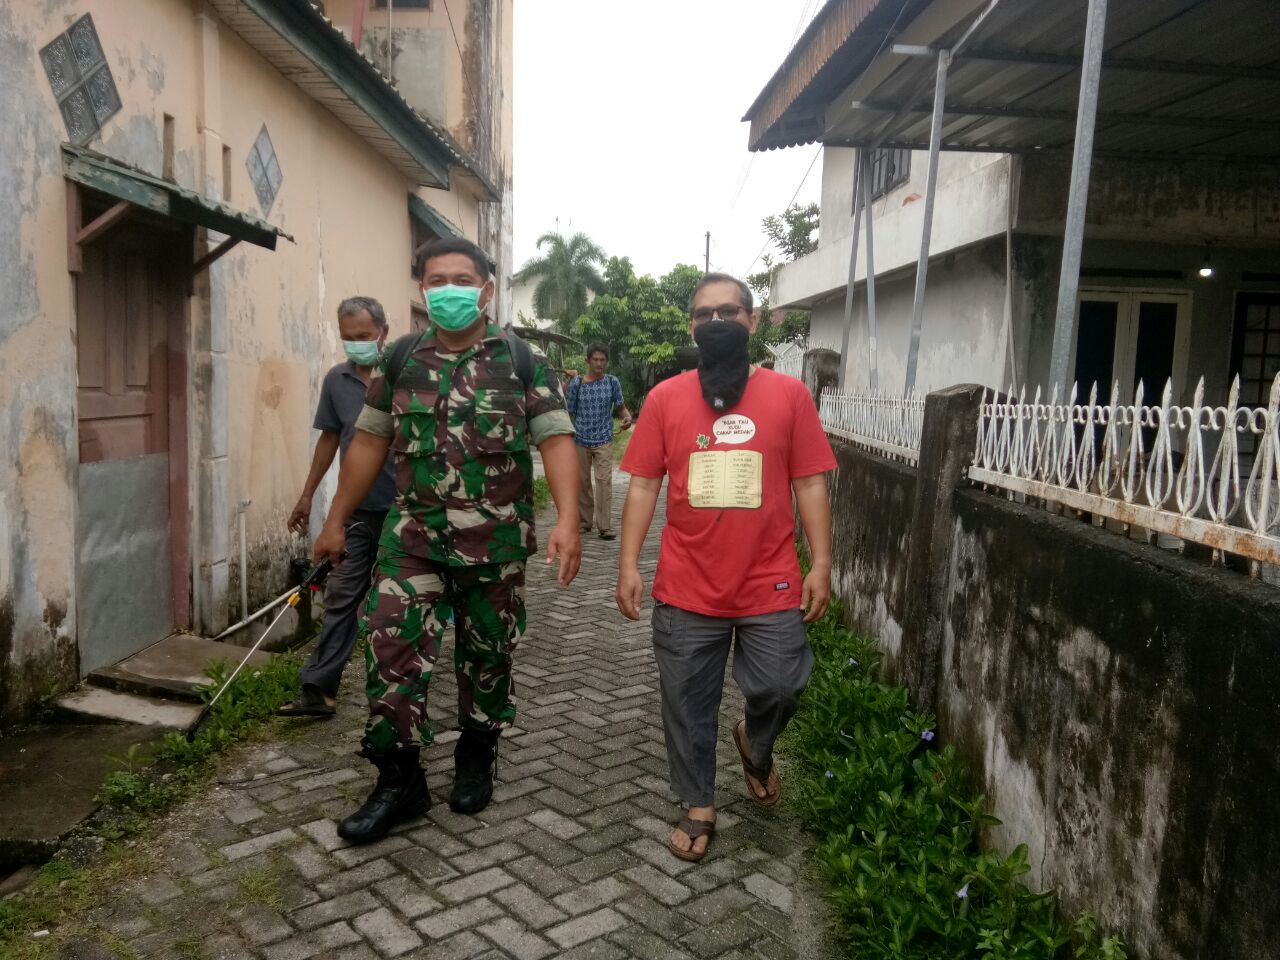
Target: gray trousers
x,y
771,665
344,594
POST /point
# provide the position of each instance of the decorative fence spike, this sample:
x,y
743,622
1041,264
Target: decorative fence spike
x,y
1169,468
877,421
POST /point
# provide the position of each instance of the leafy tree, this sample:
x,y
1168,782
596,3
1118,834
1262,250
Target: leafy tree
x,y
566,272
794,234
677,286
643,321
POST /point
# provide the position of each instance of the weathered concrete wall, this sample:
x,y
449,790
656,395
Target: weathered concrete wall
x,y
964,335
970,207
872,501
1179,202
1113,700
262,327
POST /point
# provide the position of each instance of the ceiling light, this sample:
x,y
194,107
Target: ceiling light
x,y
1206,268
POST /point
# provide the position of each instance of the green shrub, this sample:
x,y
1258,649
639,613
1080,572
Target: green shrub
x,y
151,782
541,494
899,829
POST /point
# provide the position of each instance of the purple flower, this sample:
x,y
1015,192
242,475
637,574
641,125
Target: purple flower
x,y
927,736
829,774
963,893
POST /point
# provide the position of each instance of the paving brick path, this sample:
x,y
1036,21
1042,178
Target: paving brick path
x,y
569,861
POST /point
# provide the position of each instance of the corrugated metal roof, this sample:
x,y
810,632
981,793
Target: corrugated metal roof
x,y
841,39
126,182
1181,78
344,80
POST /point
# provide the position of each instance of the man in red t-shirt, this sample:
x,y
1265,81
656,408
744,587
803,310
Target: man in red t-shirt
x,y
735,443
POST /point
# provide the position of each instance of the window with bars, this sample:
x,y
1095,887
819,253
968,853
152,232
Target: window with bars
x,y
889,169
1256,353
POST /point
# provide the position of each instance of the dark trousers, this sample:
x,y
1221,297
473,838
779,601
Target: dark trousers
x,y
344,595
771,665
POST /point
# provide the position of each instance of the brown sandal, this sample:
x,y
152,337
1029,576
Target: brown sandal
x,y
694,829
770,780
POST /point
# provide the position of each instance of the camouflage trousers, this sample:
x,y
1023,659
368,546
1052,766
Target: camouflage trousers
x,y
411,604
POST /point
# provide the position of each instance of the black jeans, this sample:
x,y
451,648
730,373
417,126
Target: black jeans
x,y
344,595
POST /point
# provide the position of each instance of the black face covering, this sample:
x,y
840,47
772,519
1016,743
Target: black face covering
x,y
723,362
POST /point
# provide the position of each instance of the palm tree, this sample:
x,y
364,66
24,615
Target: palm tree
x,y
566,271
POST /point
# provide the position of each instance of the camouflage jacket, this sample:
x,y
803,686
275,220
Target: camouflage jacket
x,y
461,425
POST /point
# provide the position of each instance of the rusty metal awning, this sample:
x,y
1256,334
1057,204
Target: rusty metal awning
x,y
127,183
431,218
307,47
1180,79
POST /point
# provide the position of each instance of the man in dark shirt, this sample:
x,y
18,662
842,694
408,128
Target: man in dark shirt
x,y
363,327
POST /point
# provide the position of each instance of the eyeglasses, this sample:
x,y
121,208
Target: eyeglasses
x,y
729,311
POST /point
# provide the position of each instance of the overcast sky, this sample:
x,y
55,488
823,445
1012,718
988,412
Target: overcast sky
x,y
628,126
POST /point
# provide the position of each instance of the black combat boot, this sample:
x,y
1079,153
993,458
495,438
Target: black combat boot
x,y
475,760
400,794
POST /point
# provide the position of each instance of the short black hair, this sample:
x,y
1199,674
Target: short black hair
x,y
353,305
597,348
446,245
709,278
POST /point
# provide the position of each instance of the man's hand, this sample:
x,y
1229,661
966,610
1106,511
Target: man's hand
x,y
815,594
331,543
567,544
629,592
300,519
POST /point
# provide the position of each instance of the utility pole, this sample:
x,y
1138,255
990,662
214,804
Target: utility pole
x,y
706,268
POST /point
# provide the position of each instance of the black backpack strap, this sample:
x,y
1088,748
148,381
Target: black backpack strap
x,y
400,355
521,357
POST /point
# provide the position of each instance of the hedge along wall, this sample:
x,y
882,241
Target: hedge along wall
x,y
1118,702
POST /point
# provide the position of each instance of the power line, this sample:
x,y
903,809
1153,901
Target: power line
x,y
801,22
799,187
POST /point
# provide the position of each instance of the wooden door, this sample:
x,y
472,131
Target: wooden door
x,y
127,302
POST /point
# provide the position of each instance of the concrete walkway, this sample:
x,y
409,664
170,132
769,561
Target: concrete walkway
x,y
570,861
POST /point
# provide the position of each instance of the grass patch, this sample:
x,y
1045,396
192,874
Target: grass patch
x,y
541,494
149,783
261,885
621,438
898,827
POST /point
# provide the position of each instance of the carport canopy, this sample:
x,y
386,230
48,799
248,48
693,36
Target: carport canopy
x,y
1180,78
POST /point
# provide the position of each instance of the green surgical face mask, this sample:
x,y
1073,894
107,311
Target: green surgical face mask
x,y
453,308
363,353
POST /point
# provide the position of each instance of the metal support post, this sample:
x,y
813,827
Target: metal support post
x,y
871,272
1064,327
859,160
926,233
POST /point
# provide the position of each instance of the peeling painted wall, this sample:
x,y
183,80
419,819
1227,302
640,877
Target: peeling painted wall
x,y
261,325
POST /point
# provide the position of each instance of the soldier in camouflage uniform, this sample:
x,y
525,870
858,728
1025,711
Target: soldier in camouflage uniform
x,y
459,408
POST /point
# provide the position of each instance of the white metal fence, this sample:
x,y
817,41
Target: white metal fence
x,y
1206,474
788,358
885,424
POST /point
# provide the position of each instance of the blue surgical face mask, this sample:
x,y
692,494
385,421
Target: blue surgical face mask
x,y
363,353
453,308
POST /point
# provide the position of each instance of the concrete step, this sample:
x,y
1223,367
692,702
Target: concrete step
x,y
173,669
49,779
99,705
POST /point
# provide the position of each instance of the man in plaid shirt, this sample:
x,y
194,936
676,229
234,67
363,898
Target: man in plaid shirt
x,y
593,400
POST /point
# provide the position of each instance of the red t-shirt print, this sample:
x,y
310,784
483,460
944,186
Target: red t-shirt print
x,y
728,549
